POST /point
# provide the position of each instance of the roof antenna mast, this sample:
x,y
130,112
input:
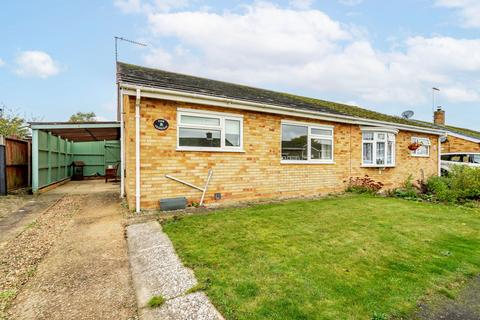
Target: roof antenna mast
x,y
433,97
126,40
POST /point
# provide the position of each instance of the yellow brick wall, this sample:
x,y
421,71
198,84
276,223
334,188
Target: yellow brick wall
x,y
256,173
454,144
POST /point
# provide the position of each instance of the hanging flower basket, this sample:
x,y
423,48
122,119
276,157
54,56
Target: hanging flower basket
x,y
414,146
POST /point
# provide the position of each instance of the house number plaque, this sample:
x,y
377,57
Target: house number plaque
x,y
161,124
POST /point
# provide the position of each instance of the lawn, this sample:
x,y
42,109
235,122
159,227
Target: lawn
x,y
338,258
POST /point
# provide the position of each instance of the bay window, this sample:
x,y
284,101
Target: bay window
x,y
209,131
305,143
378,147
424,149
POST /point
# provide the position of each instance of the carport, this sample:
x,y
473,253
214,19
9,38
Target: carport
x,y
55,145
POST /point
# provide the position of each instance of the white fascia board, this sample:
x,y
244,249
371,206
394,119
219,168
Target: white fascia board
x,y
388,129
461,136
74,126
301,123
455,153
156,93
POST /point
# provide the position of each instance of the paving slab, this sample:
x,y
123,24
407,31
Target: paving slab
x,y
194,306
158,271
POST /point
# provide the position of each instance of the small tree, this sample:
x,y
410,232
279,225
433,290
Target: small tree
x,y
83,117
12,124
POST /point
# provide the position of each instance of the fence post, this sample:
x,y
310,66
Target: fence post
x,y
3,166
35,167
65,157
49,158
59,175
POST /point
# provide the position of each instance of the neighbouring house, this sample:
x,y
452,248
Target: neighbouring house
x,y
259,144
458,140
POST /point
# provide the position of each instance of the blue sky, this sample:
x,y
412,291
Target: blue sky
x,y
57,57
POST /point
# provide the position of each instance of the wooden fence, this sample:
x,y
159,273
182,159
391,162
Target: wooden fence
x,y
16,163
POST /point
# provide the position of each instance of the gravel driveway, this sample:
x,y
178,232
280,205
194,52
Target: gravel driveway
x,y
84,273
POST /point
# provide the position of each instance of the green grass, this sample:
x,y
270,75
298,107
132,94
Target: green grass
x,y
355,257
156,302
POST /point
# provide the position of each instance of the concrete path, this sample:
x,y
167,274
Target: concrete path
x,y
14,223
157,271
86,273
465,306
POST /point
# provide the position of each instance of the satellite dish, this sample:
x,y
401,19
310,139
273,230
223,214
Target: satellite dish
x,y
407,114
443,139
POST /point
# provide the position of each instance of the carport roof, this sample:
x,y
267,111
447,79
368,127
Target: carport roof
x,y
81,131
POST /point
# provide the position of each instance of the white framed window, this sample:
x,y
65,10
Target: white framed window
x,y
424,149
199,130
378,147
306,143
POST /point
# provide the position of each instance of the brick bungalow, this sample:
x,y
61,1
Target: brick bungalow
x,y
458,139
260,144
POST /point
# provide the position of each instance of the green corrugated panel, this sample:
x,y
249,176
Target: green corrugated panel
x,y
56,154
112,153
52,161
42,140
97,155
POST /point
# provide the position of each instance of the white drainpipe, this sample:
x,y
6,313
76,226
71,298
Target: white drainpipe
x,y
122,149
439,156
137,152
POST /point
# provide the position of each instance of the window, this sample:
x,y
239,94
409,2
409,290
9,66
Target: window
x,y
475,158
378,148
209,131
458,158
424,149
306,143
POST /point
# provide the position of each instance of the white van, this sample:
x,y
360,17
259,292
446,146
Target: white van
x,y
470,159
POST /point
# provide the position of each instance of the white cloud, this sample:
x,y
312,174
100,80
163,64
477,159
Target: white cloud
x,y
158,57
307,51
149,6
129,6
460,94
2,63
301,4
469,11
36,64
350,2
263,32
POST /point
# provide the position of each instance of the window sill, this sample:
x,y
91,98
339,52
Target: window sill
x,y
210,150
305,162
377,166
420,156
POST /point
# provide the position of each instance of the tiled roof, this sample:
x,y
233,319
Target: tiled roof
x,y
148,77
462,131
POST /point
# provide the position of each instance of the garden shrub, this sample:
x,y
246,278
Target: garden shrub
x,y
363,185
466,182
460,185
441,189
408,191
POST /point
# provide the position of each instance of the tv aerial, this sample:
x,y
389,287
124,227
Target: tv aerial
x,y
407,114
126,40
